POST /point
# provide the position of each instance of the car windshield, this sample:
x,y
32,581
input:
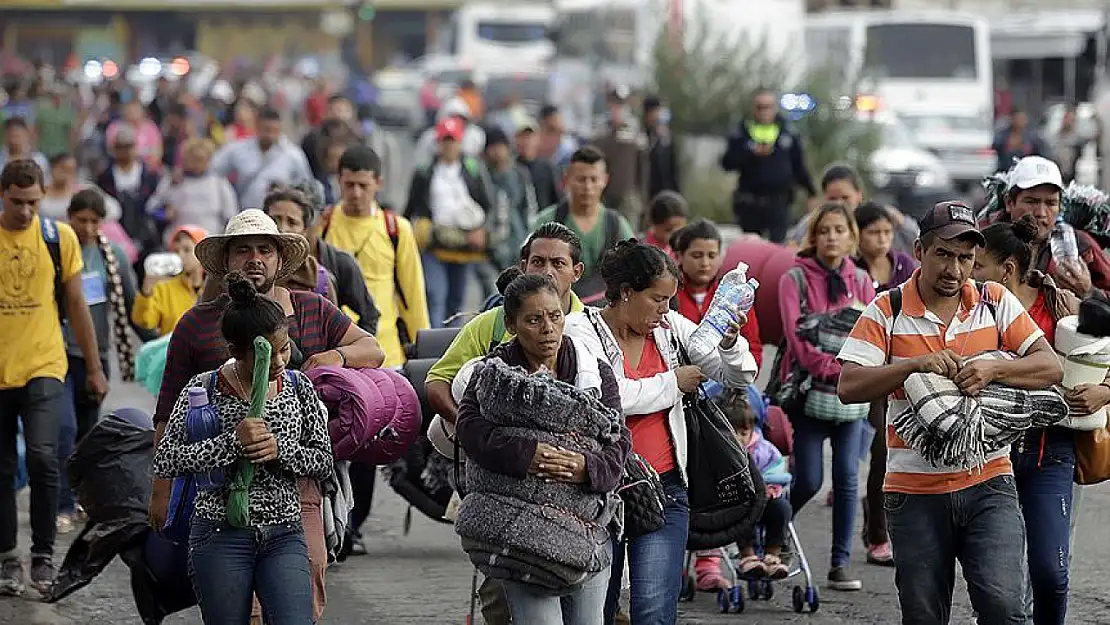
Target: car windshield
x,y
895,135
527,88
921,51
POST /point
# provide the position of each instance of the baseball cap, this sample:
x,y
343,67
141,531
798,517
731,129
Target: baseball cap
x,y
1033,171
450,128
496,136
527,124
951,220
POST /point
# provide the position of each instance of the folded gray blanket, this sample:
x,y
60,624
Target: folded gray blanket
x,y
562,525
951,429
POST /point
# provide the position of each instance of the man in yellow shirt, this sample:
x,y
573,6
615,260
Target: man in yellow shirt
x,y
37,259
385,249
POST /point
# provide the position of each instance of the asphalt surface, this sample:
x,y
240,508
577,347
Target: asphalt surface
x,y
423,577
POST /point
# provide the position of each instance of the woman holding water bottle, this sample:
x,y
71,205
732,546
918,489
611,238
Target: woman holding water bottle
x,y
645,342
824,282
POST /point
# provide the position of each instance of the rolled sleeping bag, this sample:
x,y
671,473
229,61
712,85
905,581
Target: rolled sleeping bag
x,y
1086,360
401,413
442,433
353,405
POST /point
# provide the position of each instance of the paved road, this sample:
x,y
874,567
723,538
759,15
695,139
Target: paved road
x,y
424,578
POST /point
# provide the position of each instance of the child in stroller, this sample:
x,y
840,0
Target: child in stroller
x,y
737,406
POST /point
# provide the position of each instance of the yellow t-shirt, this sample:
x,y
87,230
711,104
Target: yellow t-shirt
x,y
168,301
367,239
30,330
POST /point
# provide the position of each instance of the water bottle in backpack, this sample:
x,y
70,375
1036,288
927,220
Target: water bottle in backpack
x,y
736,290
202,423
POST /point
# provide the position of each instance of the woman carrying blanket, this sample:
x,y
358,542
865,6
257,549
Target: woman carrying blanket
x,y
1043,458
541,426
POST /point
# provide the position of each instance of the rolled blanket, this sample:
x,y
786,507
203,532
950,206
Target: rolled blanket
x,y
373,414
951,429
557,523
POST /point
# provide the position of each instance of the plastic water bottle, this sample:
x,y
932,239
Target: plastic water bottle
x,y
202,423
1065,249
735,291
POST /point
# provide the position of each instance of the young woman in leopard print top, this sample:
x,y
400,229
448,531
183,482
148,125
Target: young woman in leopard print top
x,y
269,558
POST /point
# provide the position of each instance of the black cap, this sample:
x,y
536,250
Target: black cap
x,y
496,136
652,102
951,220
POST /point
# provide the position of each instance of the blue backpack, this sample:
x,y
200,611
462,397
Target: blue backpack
x,y
184,491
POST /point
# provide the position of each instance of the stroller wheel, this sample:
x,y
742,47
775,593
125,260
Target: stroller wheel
x,y
799,597
724,601
812,599
736,594
688,588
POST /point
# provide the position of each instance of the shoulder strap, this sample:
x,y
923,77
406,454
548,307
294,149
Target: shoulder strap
x,y
498,328
895,303
321,281
991,306
395,238
210,385
54,245
562,211
800,281
612,228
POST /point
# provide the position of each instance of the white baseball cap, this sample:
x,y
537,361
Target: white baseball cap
x,y
1033,171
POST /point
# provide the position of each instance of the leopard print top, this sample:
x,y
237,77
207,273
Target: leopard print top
x,y
298,421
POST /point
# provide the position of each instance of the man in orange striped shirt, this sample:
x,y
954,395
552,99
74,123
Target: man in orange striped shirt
x,y
937,514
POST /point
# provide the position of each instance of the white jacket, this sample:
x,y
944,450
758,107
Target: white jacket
x,y
733,368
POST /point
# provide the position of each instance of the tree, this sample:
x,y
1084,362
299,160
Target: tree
x,y
708,83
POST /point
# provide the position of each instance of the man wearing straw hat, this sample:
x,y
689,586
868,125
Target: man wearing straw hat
x,y
321,336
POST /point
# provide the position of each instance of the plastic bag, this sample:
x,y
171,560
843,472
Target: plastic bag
x,y
110,472
150,363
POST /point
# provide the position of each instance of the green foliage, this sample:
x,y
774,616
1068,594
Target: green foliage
x,y
708,83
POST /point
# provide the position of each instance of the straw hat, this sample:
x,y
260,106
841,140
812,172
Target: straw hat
x,y
212,251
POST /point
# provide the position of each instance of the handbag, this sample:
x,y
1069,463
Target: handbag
x,y
1092,456
724,500
644,498
640,489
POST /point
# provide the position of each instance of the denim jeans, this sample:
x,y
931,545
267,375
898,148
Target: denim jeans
x,y
79,416
227,564
809,474
1044,464
584,606
982,528
446,285
40,403
655,563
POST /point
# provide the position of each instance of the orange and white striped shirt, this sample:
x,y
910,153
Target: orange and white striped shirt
x,y
877,340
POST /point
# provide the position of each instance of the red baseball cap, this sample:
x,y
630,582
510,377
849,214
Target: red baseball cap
x,y
450,128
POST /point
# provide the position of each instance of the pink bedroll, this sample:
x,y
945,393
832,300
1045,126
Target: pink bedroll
x,y
767,262
401,407
353,404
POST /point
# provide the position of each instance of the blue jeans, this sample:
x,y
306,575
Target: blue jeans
x,y
655,563
1044,463
228,564
80,414
982,528
446,285
584,606
809,474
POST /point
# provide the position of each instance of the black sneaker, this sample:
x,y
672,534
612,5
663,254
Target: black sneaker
x,y
839,579
42,573
11,578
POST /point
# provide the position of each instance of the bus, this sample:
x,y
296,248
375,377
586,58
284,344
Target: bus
x,y
503,36
933,69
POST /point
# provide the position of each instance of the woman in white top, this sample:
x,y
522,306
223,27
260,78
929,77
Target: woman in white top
x,y
639,335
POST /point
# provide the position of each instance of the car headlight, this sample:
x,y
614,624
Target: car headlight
x,y
932,178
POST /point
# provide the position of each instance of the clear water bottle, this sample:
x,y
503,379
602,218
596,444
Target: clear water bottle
x,y
735,291
202,423
163,265
1065,249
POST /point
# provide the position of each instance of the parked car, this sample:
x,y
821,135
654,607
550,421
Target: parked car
x,y
903,173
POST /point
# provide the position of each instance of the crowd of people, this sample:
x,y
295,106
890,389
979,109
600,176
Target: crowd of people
x,y
295,257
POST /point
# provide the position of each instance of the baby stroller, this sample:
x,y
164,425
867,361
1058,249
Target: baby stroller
x,y
731,582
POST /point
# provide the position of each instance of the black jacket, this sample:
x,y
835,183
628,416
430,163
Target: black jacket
x,y
545,180
349,285
662,163
775,174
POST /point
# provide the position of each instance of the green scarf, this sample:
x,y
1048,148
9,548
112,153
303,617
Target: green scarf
x,y
238,500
